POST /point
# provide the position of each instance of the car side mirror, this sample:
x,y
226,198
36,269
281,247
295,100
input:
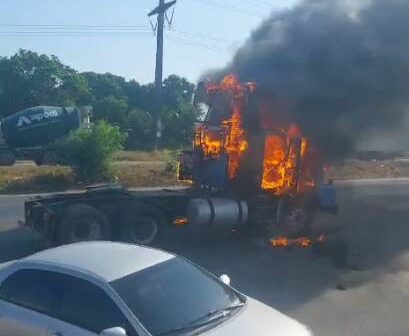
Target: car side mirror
x,y
225,279
117,331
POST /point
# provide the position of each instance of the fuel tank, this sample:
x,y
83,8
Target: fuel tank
x,y
224,213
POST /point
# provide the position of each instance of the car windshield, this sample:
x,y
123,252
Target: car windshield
x,y
172,294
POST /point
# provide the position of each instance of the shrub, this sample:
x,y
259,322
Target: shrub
x,y
90,152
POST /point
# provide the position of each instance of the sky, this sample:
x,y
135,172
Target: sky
x,y
204,33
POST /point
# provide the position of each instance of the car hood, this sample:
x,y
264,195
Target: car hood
x,y
258,319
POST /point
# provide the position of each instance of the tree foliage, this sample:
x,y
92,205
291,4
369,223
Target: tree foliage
x,y
28,79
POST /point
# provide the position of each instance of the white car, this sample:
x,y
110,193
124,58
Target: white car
x,y
114,289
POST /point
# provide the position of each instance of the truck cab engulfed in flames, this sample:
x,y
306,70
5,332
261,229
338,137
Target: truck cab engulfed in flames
x,y
242,146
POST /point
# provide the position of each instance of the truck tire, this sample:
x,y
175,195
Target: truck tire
x,y
48,158
143,226
294,221
38,160
7,158
83,223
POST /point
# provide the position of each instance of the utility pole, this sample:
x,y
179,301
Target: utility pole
x,y
160,11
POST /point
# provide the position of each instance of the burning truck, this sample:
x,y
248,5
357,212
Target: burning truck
x,y
249,169
244,149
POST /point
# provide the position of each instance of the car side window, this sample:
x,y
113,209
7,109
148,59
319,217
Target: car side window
x,y
33,289
86,305
67,298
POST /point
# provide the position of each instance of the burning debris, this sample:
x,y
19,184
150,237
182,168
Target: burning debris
x,y
302,242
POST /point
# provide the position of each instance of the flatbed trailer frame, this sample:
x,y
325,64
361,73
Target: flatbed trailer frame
x,y
146,216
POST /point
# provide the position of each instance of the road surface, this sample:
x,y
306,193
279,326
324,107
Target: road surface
x,y
369,298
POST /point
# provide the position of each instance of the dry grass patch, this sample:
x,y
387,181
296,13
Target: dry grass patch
x,y
142,175
140,156
32,179
22,179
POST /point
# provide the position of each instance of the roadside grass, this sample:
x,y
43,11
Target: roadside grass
x,y
158,169
32,179
23,179
140,156
144,175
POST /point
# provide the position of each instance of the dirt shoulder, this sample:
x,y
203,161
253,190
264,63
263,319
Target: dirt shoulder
x,y
358,169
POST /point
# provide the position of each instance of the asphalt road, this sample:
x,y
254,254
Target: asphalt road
x,y
369,297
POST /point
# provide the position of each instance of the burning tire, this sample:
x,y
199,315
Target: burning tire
x,y
83,223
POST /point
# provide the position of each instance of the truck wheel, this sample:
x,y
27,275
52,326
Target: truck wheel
x,y
7,158
142,226
50,158
38,161
294,221
83,223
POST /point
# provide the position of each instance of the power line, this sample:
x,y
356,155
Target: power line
x,y
195,34
31,34
186,41
62,33
180,35
75,28
64,26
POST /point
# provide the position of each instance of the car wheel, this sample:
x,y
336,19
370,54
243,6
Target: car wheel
x,y
83,223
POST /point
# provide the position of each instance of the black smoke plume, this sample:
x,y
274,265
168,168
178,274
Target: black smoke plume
x,y
340,67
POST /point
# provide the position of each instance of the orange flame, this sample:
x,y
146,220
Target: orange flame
x,y
235,144
302,242
210,141
232,138
283,155
180,221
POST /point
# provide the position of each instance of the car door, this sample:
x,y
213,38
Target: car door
x,y
46,303
26,298
87,306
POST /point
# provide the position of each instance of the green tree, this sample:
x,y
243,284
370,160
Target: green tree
x,y
140,130
28,79
176,91
178,112
104,85
90,151
178,125
113,110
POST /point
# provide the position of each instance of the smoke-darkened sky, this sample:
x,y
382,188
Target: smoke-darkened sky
x,y
342,67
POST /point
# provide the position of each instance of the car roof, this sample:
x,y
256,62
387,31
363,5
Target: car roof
x,y
106,260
